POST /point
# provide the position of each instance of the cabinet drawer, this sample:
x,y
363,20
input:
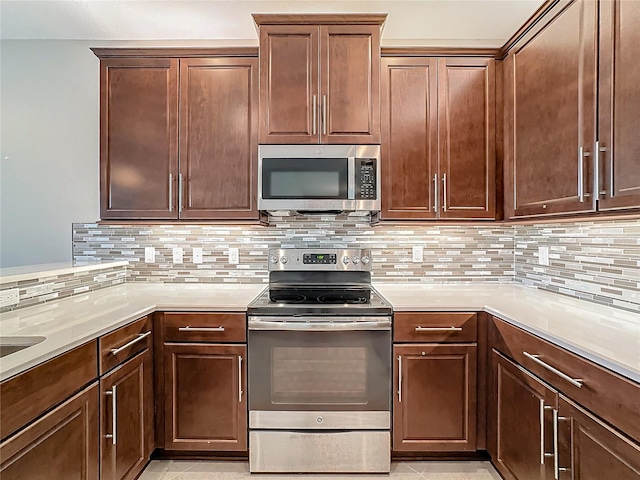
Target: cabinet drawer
x,y
435,327
124,343
27,395
205,327
605,393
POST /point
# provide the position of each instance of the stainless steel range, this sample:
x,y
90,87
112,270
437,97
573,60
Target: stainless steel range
x,y
319,366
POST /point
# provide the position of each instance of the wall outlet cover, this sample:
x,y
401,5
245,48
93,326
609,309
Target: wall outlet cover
x,y
149,255
177,255
197,255
543,255
9,297
234,256
416,254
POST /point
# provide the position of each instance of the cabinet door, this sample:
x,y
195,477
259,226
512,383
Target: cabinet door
x,y
521,411
434,405
350,84
551,85
138,138
409,137
619,112
63,444
591,450
127,406
218,138
289,84
466,126
205,401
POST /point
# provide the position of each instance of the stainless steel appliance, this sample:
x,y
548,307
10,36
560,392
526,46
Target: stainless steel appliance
x,y
319,366
314,178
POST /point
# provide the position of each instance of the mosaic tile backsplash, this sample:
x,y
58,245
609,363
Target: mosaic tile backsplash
x,y
44,288
596,261
451,253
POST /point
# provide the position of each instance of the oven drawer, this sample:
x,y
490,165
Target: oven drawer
x,y
205,327
427,327
320,452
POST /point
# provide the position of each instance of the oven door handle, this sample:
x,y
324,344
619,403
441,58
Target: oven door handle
x,y
319,326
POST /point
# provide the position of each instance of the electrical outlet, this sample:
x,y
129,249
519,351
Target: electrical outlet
x,y
234,256
9,297
149,255
177,255
197,255
543,255
417,254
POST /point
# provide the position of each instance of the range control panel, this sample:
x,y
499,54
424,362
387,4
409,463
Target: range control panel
x,y
366,172
319,258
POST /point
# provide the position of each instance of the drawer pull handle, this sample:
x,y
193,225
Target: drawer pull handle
x,y
438,329
577,382
201,329
116,351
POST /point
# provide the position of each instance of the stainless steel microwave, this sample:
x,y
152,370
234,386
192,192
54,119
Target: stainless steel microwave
x,y
316,178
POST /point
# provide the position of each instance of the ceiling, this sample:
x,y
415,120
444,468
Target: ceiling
x,y
486,23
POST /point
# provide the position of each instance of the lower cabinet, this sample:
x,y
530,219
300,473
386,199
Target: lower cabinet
x,y
63,444
522,415
205,397
591,450
434,405
127,407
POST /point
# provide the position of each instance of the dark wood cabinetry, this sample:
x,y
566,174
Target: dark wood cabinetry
x,y
138,137
442,377
205,397
319,83
218,138
127,406
438,138
64,443
591,450
520,416
619,105
207,169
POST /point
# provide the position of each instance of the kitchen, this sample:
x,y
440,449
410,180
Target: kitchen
x,y
487,274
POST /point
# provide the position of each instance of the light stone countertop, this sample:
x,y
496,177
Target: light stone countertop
x,y
72,321
608,336
29,272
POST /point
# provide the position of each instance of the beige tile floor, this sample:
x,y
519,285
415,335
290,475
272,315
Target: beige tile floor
x,y
210,470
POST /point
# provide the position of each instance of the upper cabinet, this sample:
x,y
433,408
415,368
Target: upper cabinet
x,y
319,79
619,105
572,111
438,138
179,136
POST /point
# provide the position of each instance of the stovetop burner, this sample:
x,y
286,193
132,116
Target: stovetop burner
x,y
320,295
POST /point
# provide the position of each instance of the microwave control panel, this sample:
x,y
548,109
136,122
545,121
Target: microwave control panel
x,y
366,179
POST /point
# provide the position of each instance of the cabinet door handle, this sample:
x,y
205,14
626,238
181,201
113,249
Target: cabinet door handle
x,y
543,454
400,378
180,193
596,183
240,379
201,329
444,192
438,329
324,114
140,336
171,192
435,193
314,114
577,382
581,155
556,456
612,192
114,419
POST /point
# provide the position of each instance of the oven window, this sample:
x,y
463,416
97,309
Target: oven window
x,y
319,375
305,178
328,371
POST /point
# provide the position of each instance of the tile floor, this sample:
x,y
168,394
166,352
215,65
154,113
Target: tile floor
x,y
210,470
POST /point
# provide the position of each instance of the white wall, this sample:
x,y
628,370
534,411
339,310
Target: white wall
x,y
49,147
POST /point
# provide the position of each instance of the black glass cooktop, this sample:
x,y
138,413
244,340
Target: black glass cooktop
x,y
312,295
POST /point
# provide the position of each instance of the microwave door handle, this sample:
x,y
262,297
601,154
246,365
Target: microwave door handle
x,y
351,178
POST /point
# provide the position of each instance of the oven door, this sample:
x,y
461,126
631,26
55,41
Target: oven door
x,y
320,379
300,178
